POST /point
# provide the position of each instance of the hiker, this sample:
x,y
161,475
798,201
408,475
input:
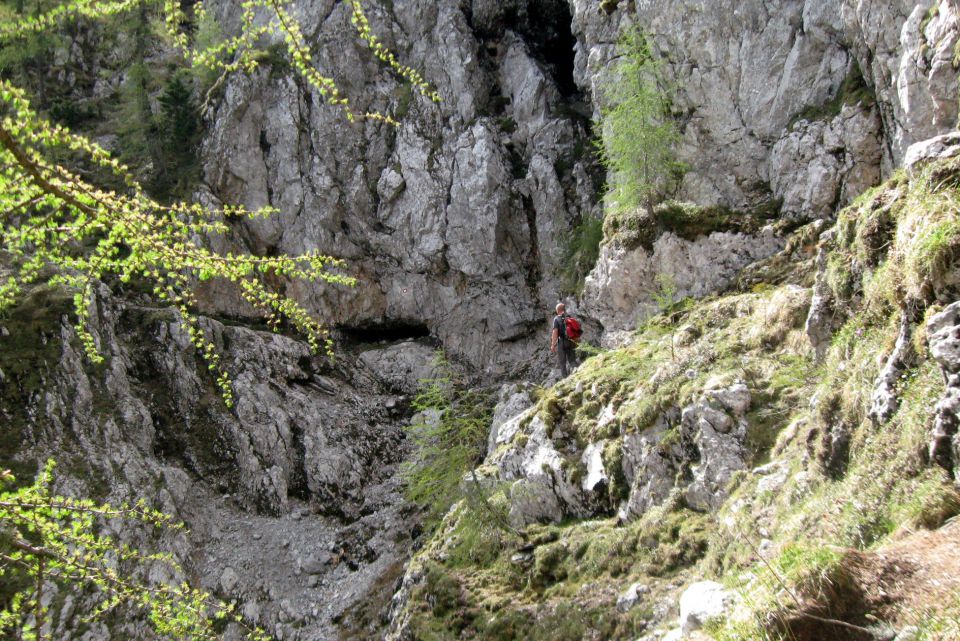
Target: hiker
x,y
563,340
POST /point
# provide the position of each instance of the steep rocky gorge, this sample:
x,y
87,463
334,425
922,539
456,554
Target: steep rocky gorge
x,y
456,224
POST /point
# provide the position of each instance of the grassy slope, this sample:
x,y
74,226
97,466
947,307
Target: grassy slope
x,y
893,250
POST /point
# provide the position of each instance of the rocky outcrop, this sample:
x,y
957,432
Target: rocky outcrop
x,y
715,430
403,367
623,289
512,400
545,484
697,449
885,398
943,331
922,153
291,498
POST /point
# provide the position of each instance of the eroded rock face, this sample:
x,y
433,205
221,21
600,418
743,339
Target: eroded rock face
x,y
924,152
747,71
465,207
622,289
545,485
821,318
650,467
291,498
403,367
943,331
820,166
456,219
696,449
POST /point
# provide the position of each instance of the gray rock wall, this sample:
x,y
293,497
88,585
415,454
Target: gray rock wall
x,y
456,218
756,83
808,103
292,498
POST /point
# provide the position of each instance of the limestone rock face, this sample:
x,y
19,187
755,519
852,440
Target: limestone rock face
x,y
714,426
821,318
820,166
544,486
885,398
456,218
291,498
621,290
746,72
466,205
943,331
650,468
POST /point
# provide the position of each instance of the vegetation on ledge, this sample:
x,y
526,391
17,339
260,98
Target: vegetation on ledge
x,y
637,228
857,490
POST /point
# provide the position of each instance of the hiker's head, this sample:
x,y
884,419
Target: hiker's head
x,y
561,308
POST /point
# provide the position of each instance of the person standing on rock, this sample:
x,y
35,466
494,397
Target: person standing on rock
x,y
560,343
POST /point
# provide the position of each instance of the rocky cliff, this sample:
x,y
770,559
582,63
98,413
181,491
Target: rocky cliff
x,y
785,438
456,220
805,104
819,352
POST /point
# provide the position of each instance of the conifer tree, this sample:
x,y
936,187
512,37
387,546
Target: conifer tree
x,y
60,227
638,136
62,223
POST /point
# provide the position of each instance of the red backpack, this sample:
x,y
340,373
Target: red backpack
x,y
573,329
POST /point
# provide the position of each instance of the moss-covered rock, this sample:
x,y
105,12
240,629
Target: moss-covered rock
x,y
636,228
833,478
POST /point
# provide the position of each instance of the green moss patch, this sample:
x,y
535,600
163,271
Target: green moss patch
x,y
636,228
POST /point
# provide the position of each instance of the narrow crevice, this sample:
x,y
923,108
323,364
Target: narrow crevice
x,y
534,272
546,28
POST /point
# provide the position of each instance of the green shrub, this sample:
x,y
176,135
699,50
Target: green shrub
x,y
581,251
449,437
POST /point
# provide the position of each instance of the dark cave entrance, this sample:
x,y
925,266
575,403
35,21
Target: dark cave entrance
x,y
386,332
544,25
546,28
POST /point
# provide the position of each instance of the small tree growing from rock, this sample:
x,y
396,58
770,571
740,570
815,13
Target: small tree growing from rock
x,y
637,134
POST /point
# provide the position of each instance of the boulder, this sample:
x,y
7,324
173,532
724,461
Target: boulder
x,y
402,367
922,153
719,438
512,400
631,597
702,602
